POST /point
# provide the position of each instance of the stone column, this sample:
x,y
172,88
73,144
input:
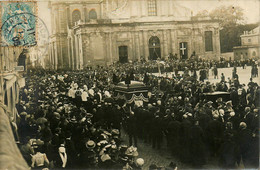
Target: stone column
x,y
85,13
146,45
81,64
101,9
216,42
61,51
77,52
173,42
165,42
133,57
55,55
141,43
106,47
68,15
137,45
111,47
68,51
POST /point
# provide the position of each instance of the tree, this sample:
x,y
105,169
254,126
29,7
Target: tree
x,y
232,24
203,13
228,16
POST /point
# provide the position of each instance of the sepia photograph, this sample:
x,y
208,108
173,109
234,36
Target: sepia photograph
x,y
129,84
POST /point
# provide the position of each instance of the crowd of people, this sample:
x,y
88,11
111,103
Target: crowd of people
x,y
69,119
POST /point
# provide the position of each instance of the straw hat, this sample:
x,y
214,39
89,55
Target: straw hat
x,y
90,144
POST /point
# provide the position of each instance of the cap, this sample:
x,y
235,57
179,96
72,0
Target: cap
x,y
139,162
242,125
232,114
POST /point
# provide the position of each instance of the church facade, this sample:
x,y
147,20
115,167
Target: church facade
x,y
101,32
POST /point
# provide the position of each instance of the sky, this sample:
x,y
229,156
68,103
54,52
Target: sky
x,y
251,8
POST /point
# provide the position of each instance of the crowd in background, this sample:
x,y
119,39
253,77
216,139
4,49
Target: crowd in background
x,y
69,119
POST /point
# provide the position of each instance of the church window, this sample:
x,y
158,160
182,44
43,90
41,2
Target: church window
x,y
254,53
208,41
92,14
75,16
249,40
152,10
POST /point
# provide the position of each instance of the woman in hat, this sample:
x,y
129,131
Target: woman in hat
x,y
61,157
139,163
27,150
39,160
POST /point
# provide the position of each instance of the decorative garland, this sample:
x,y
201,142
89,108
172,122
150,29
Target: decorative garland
x,y
133,98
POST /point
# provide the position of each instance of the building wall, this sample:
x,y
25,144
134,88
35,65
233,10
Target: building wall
x,y
9,57
254,52
250,39
241,54
250,48
246,53
10,156
99,43
123,22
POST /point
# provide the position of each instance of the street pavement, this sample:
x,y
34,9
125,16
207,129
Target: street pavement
x,y
243,74
163,156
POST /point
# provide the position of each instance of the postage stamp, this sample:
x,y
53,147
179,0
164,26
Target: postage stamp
x,y
18,23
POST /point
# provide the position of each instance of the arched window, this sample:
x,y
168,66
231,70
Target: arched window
x,y
254,53
92,14
154,48
152,9
76,16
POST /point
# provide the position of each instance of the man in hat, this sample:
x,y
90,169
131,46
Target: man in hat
x,y
234,97
117,117
157,130
214,134
244,140
88,155
61,157
132,128
27,150
139,163
222,77
173,133
197,149
70,150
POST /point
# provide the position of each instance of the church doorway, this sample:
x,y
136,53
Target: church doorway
x,y
154,48
123,54
184,50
